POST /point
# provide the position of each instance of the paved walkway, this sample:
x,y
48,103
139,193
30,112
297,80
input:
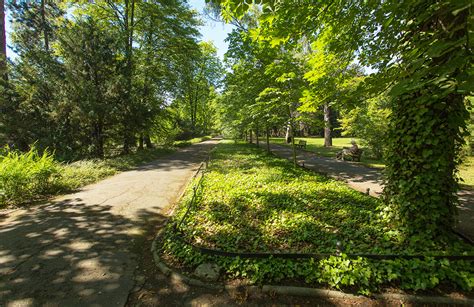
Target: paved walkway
x,y
78,250
361,178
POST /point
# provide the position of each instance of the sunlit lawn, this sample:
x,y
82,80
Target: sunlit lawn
x,y
466,171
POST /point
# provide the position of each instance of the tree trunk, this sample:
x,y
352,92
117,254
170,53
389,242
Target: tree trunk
x,y
256,136
268,139
99,139
327,126
288,134
3,42
129,27
425,141
148,142
44,25
293,147
140,142
251,137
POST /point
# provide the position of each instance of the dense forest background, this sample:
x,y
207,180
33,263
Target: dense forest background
x,y
93,78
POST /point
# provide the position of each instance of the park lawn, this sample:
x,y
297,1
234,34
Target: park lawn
x,y
254,202
316,145
466,172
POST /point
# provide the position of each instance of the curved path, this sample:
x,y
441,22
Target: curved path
x,y
82,249
361,178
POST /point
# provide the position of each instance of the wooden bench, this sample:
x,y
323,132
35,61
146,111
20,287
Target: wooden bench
x,y
354,156
301,144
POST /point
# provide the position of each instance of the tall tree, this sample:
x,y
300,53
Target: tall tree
x,y
3,42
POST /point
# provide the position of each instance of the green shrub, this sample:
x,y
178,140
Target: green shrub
x,y
368,121
23,176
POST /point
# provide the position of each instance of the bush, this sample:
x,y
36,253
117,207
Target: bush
x,y
23,176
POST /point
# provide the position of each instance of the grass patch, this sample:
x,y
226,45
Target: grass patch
x,y
466,172
253,202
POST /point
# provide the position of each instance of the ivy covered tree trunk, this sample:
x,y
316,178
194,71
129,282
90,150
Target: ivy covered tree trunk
x,y
426,133
327,126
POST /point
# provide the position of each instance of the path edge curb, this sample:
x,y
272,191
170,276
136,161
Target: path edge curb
x,y
298,291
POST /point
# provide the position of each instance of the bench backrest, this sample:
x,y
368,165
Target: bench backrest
x,y
301,142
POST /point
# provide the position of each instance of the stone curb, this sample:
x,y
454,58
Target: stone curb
x,y
302,291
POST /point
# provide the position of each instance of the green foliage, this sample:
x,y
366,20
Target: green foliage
x,y
368,121
255,202
195,99
91,77
24,176
422,51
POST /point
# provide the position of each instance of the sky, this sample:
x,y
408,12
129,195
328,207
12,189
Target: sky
x,y
216,32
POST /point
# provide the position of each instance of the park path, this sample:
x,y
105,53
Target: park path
x,y
81,249
361,178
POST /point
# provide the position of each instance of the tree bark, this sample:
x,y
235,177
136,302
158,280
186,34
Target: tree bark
x,y
293,147
148,142
140,142
44,25
251,137
256,136
3,42
288,134
268,139
128,27
327,126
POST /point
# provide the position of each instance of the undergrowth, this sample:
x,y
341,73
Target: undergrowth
x,y
23,176
253,202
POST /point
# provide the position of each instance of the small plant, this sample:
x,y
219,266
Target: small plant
x,y
23,176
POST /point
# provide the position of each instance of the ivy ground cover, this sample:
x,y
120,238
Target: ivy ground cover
x,y
250,201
